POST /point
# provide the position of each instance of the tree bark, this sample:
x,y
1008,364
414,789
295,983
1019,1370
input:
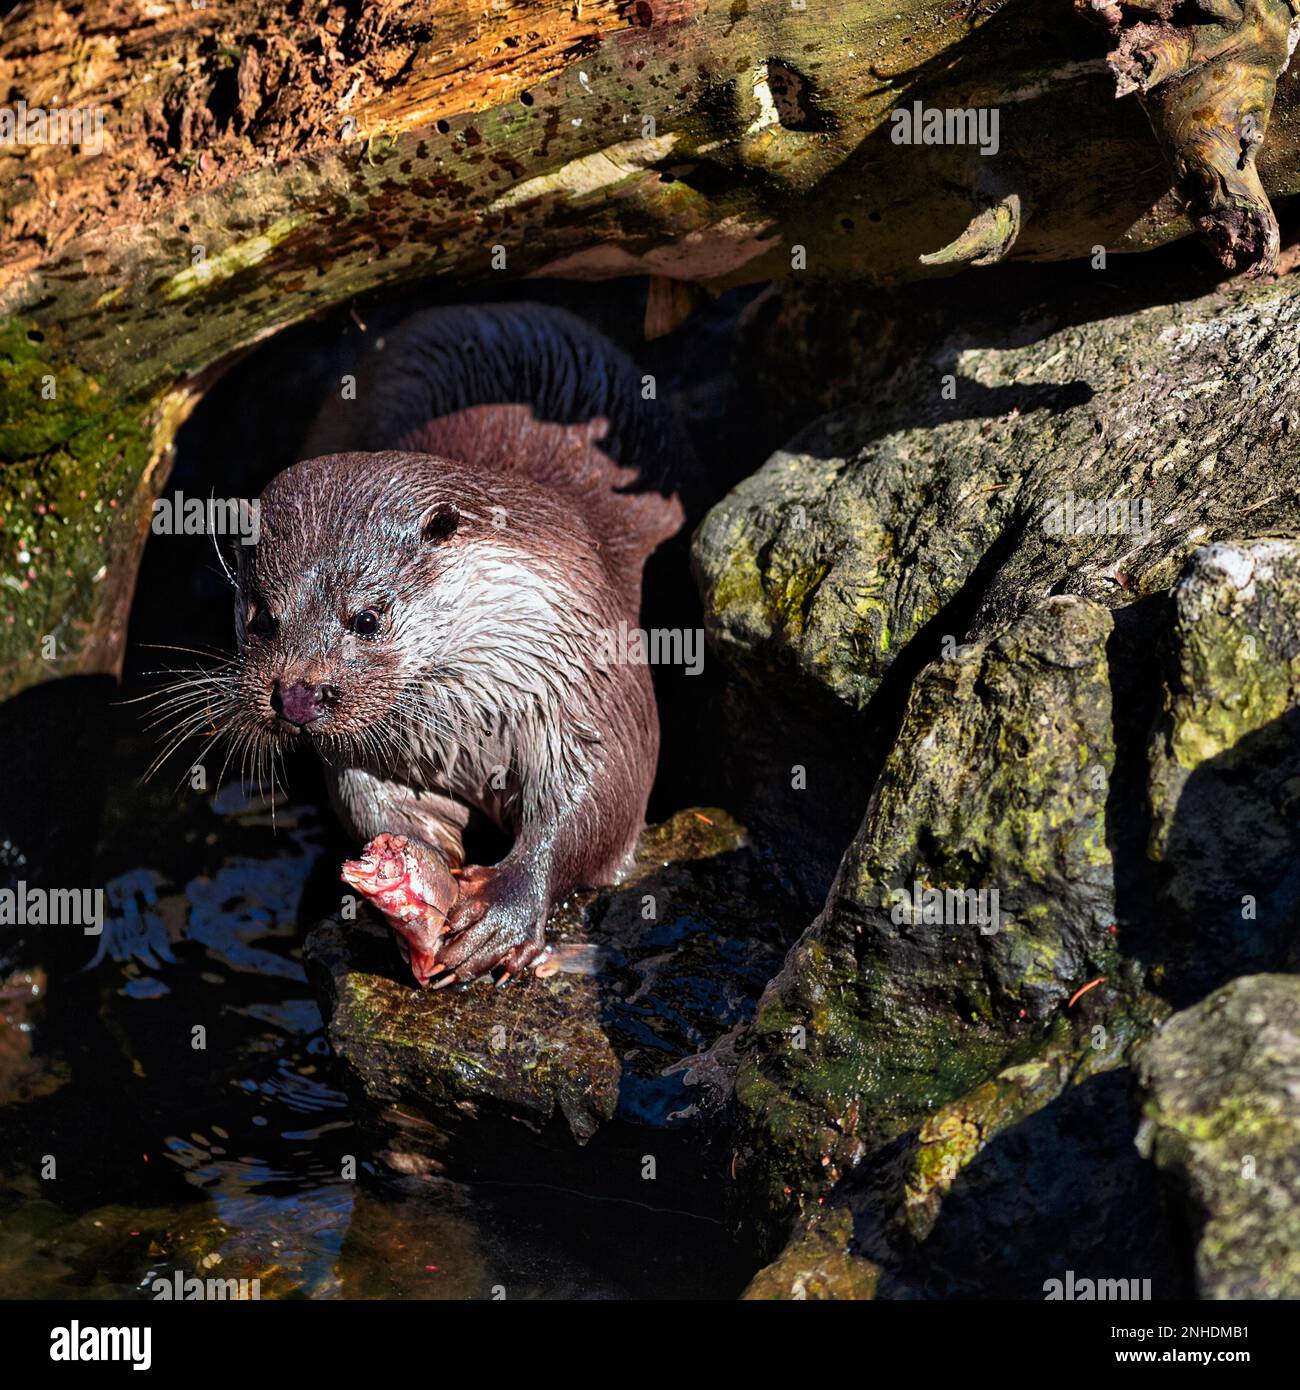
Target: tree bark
x,y
263,161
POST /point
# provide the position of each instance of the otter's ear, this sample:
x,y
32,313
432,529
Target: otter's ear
x,y
440,524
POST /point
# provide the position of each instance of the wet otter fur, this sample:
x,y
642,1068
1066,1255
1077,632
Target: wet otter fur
x,y
434,615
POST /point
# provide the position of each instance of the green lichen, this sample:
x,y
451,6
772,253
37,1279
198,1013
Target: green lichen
x,y
738,587
73,455
1220,1117
243,255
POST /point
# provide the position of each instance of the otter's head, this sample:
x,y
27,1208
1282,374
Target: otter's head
x,y
382,585
334,599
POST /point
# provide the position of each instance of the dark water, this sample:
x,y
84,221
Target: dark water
x,y
167,1096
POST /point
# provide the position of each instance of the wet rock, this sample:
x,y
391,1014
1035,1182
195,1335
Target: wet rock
x,y
674,960
1060,1192
1072,448
949,1142
1030,1176
985,1198
976,899
817,1264
1224,779
1221,1118
475,1051
120,1251
1026,1177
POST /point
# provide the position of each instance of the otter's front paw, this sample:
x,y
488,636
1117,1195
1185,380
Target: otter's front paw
x,y
413,887
499,921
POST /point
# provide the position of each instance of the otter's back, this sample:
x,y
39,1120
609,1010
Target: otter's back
x,y
530,390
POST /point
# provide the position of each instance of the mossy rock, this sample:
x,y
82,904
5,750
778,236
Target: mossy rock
x,y
1073,447
673,961
966,588
1028,1175
987,461
818,1263
1224,779
1221,1118
77,481
996,786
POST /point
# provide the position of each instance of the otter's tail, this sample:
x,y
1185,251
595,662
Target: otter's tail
x,y
532,390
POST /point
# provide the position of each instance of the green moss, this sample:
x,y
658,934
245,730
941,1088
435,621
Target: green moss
x,y
857,1081
818,1263
73,456
738,587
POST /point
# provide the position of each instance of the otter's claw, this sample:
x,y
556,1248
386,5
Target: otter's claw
x,y
499,921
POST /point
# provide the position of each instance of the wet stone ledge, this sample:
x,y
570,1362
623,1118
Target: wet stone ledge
x,y
661,974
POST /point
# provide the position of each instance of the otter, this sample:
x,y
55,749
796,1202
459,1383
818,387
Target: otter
x,y
430,602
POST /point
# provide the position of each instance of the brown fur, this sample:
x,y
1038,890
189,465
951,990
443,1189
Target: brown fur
x,y
483,688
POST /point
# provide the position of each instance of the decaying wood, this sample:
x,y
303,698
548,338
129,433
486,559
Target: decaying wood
x,y
1208,84
266,159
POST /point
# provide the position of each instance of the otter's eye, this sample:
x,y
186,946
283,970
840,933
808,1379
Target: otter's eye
x,y
366,623
262,623
442,524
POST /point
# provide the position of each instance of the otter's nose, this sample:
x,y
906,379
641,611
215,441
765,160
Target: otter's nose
x,y
302,704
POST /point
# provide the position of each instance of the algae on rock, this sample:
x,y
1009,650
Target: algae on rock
x,y
1224,782
1221,1117
981,581
817,1264
670,962
996,789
